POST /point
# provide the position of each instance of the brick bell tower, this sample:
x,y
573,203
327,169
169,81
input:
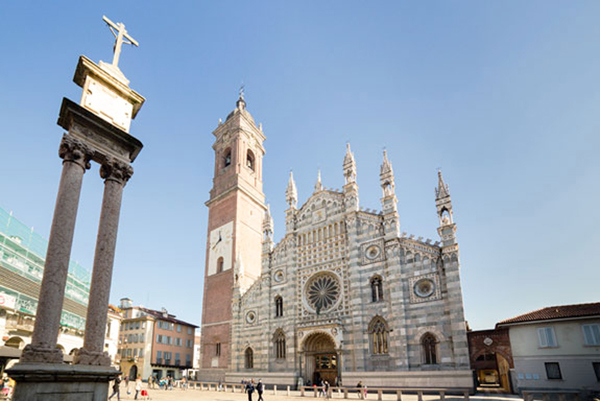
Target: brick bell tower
x,y
234,243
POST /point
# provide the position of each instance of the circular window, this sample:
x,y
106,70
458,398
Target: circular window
x,y
251,317
372,252
323,291
424,287
278,276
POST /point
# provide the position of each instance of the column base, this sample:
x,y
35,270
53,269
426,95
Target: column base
x,y
85,357
61,382
32,354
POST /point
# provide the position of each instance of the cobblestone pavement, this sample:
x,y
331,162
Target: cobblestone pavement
x,y
191,394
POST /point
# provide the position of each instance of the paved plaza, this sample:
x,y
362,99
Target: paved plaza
x,y
190,394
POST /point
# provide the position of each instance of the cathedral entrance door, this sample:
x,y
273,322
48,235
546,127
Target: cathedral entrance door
x,y
325,368
321,361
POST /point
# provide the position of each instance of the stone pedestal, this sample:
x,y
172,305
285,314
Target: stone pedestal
x,y
61,382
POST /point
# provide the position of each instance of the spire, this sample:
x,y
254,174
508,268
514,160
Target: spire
x,y
391,219
268,223
291,193
349,166
386,166
318,185
386,176
442,190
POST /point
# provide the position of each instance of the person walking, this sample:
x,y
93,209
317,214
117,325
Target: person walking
x,y
260,387
250,388
359,389
138,386
327,388
116,388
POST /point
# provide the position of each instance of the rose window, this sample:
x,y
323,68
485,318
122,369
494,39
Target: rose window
x,y
323,292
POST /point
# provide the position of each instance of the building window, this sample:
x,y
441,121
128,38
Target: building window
x,y
220,265
249,359
158,357
279,343
546,337
378,333
188,360
553,371
278,306
189,330
250,160
218,349
227,158
429,349
376,289
596,366
591,334
179,328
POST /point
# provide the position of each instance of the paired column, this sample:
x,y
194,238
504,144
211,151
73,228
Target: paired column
x,y
76,159
116,174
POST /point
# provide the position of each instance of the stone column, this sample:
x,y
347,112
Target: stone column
x,y
116,174
76,159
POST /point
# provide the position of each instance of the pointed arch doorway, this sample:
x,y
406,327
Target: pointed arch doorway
x,y
321,360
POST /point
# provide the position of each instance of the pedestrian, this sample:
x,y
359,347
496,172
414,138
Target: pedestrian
x,y
127,385
138,386
260,387
116,388
359,389
183,383
326,389
150,384
322,389
250,388
365,390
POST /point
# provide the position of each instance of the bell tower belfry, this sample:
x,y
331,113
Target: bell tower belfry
x,y
236,209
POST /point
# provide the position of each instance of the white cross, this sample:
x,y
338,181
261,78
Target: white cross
x,y
121,37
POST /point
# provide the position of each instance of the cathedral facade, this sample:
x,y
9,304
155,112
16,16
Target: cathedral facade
x,y
343,297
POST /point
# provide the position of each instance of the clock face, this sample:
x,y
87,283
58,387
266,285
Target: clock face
x,y
220,249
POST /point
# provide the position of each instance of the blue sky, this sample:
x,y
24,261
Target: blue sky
x,y
503,96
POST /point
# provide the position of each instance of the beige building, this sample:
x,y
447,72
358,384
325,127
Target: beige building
x,y
154,343
556,348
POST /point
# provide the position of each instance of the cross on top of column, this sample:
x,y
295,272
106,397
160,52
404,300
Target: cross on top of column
x,y
121,36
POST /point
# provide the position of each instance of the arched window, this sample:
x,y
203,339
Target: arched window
x,y
378,334
376,289
279,344
227,158
249,360
250,160
220,264
429,349
278,306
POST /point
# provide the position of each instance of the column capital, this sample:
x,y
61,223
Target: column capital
x,y
116,170
73,150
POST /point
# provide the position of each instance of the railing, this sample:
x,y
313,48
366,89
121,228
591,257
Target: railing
x,y
362,393
229,387
343,392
